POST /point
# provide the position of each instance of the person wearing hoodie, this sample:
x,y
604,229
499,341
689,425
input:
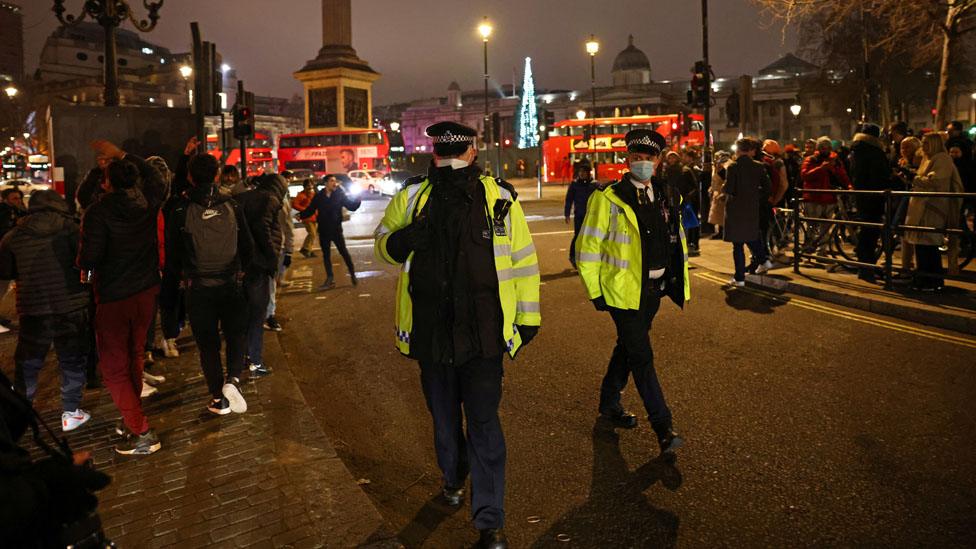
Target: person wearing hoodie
x,y
209,245
284,258
870,171
52,303
261,207
119,254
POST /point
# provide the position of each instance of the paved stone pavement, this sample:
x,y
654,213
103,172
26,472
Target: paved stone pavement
x,y
267,478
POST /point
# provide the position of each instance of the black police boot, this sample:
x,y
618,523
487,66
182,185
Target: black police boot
x,y
669,441
492,538
620,418
453,496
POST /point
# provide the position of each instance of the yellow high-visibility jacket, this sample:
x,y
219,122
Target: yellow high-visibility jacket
x,y
608,252
516,263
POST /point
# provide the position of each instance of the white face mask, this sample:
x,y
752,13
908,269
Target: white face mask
x,y
643,169
454,163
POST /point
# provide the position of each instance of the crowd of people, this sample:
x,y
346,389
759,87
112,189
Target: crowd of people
x,y
740,199
197,245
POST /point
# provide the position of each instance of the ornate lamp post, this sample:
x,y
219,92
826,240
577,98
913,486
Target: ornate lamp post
x,y
592,47
110,14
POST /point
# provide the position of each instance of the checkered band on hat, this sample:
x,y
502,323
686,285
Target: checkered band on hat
x,y
449,137
645,141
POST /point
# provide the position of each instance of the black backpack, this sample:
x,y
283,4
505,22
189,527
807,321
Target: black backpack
x,y
211,236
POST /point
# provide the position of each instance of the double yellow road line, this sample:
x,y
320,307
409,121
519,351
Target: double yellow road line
x,y
840,313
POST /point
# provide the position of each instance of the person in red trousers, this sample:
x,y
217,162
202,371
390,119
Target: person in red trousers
x,y
119,255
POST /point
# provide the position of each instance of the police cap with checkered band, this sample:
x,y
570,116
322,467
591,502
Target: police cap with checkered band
x,y
645,141
451,138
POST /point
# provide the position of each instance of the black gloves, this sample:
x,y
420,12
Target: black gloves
x,y
601,304
527,332
417,235
287,261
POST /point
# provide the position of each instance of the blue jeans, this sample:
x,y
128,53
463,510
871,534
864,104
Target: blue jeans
x,y
758,250
70,335
257,290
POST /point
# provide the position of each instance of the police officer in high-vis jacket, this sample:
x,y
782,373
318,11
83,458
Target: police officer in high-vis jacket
x,y
467,294
632,252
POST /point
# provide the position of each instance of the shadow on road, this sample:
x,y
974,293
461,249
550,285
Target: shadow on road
x,y
745,301
618,513
427,519
568,273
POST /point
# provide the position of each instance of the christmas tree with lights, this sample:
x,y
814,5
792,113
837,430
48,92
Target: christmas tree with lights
x,y
528,119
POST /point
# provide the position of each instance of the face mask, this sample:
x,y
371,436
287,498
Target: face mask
x,y
454,163
643,169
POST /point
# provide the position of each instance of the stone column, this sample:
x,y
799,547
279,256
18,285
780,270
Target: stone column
x,y
337,22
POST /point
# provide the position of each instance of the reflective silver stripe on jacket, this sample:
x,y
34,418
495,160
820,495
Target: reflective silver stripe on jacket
x,y
529,270
413,196
527,306
523,253
593,232
604,258
503,250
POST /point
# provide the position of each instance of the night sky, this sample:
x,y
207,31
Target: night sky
x,y
421,45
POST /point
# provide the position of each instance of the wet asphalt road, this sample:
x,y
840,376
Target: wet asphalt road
x,y
805,425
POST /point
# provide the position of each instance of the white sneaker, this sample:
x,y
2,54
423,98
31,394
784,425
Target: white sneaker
x,y
148,390
170,349
737,283
233,395
152,379
764,268
72,420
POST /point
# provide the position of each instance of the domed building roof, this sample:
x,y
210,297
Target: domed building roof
x,y
631,58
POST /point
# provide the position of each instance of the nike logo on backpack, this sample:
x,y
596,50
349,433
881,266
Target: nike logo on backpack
x,y
209,213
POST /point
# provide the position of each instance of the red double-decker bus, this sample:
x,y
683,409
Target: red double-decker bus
x,y
606,148
259,157
334,152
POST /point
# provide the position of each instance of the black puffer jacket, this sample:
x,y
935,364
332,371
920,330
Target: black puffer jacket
x,y
260,207
119,238
40,254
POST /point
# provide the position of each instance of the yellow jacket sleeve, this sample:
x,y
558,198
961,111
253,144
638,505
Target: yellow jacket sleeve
x,y
590,242
525,270
394,218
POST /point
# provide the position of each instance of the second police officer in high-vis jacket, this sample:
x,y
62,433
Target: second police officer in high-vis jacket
x,y
631,252
467,293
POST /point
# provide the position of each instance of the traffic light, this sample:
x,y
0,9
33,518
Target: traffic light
x,y
698,93
496,126
244,117
550,119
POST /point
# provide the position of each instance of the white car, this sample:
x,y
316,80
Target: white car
x,y
366,180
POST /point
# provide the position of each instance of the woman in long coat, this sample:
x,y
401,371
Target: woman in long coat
x,y
716,214
936,174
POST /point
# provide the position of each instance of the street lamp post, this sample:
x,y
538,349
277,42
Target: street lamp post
x,y
592,47
795,108
484,29
11,91
110,14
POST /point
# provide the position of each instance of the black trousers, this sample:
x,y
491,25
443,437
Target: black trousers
x,y
476,388
870,210
633,356
929,261
212,310
340,243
